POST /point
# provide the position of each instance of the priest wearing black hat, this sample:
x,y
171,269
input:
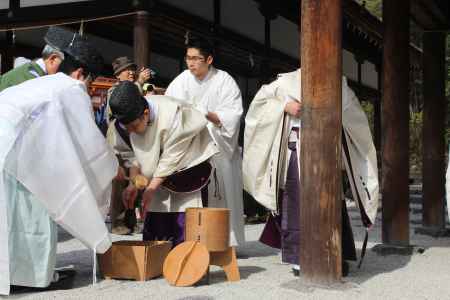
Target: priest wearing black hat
x,y
55,168
57,38
124,70
167,137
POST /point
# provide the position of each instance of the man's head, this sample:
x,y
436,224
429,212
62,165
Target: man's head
x,y
129,108
56,39
124,69
199,56
81,60
52,59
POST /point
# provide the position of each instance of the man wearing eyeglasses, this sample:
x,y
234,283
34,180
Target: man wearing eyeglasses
x,y
217,96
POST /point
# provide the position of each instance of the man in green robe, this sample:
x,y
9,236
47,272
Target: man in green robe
x,y
48,64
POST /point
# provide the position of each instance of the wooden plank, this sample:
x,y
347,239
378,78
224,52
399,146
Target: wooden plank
x,y
320,171
433,132
395,124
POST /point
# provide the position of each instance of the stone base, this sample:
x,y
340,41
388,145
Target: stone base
x,y
386,249
433,231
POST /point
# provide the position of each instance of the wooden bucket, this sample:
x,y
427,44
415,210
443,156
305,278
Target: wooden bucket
x,y
210,226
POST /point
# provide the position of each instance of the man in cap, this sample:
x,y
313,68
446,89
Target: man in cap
x,y
52,56
55,167
166,137
124,70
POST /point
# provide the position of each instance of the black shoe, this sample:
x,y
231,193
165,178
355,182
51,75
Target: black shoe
x,y
296,272
345,268
130,219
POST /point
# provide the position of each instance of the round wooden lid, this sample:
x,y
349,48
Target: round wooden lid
x,y
186,264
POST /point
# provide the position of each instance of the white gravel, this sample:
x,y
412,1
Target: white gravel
x,y
420,276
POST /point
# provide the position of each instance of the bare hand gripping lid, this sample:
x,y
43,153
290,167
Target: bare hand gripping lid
x,y
186,264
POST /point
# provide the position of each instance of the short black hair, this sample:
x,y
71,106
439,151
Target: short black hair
x,y
127,103
205,47
69,65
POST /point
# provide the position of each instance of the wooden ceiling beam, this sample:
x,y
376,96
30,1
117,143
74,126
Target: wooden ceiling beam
x,y
429,15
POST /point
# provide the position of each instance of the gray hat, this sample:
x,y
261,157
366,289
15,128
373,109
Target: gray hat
x,y
121,63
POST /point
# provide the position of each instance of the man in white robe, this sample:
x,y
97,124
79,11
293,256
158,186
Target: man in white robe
x,y
167,137
55,168
270,127
216,95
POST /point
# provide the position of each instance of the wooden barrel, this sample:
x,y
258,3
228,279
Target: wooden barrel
x,y
210,226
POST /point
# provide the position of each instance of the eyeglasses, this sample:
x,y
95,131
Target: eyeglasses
x,y
195,59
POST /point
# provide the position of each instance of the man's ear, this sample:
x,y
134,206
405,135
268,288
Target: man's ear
x,y
209,60
78,74
53,57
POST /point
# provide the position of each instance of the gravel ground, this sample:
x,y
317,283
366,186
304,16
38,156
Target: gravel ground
x,y
418,276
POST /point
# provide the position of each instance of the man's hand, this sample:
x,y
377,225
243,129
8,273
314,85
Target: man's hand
x,y
147,197
293,108
144,75
214,118
149,192
129,196
121,175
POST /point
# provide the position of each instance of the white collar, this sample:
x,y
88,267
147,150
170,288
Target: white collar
x,y
40,62
208,76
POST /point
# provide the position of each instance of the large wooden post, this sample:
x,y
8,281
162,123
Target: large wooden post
x,y
270,11
320,155
7,53
433,142
395,123
141,39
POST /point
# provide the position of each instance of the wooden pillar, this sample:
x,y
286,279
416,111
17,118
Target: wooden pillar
x,y
7,53
320,171
433,131
269,10
141,39
359,61
395,123
216,30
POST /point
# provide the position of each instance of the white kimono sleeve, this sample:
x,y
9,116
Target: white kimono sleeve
x,y
63,159
229,112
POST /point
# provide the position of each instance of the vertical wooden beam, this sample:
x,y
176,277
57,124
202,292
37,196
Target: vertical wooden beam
x,y
359,62
216,29
320,171
7,53
217,13
141,39
395,123
433,142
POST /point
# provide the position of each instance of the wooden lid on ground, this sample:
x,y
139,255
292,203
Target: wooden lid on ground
x,y
186,264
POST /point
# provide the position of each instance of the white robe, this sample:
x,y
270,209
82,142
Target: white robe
x,y
219,93
51,145
177,139
265,144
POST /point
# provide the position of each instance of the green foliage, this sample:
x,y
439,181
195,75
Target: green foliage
x,y
368,108
374,6
415,142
